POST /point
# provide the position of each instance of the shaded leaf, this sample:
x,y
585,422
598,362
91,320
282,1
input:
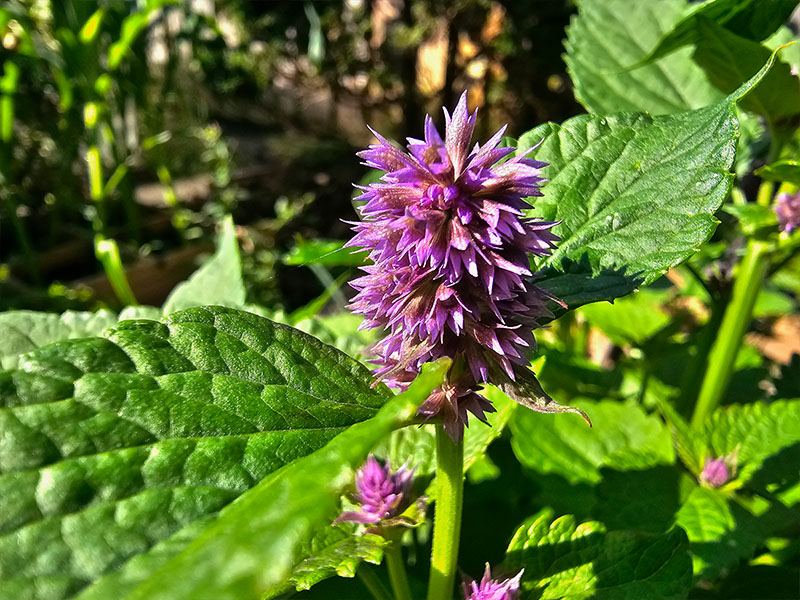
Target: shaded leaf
x,y
570,561
623,437
746,18
729,59
781,170
607,37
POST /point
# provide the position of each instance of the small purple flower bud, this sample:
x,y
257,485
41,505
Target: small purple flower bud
x,y
492,589
787,207
715,473
380,494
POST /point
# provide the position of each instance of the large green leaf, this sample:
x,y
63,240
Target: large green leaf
x,y
729,59
217,281
635,195
751,19
111,445
623,437
607,37
253,546
569,561
24,330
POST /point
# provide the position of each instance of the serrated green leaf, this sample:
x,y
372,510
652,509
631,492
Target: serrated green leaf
x,y
635,196
607,37
753,432
252,547
336,552
111,445
729,59
568,561
622,437
747,18
217,281
782,170
24,330
723,533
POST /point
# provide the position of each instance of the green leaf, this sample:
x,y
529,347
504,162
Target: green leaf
x,y
24,330
608,36
722,532
729,59
109,446
752,432
746,18
569,561
752,217
635,195
337,553
782,170
217,281
622,437
328,253
251,549
630,320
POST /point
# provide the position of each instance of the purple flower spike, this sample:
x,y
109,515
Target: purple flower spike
x,y
380,494
715,473
447,233
492,589
787,207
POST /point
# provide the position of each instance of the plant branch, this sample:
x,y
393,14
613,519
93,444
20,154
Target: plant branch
x,y
447,521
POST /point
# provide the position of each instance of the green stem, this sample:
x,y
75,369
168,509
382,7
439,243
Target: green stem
x,y
734,325
373,583
447,521
397,571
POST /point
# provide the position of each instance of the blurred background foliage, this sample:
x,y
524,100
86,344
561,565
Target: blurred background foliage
x,y
129,128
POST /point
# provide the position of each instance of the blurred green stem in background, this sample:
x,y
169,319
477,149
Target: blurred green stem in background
x,y
107,253
734,324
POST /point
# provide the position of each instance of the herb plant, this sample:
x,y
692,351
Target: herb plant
x,y
212,449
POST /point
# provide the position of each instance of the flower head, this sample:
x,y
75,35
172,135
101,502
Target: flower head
x,y
715,472
492,589
449,240
380,493
787,207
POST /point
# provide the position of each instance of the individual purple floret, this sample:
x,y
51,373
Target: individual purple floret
x,y
380,494
492,589
715,473
447,233
787,207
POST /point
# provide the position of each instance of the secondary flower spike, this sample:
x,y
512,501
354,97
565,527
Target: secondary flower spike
x,y
447,233
380,493
787,207
492,589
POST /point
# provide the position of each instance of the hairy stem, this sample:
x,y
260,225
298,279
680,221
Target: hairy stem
x,y
731,331
397,571
447,521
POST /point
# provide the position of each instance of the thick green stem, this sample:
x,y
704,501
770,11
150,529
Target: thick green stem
x,y
397,571
447,521
734,325
373,583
